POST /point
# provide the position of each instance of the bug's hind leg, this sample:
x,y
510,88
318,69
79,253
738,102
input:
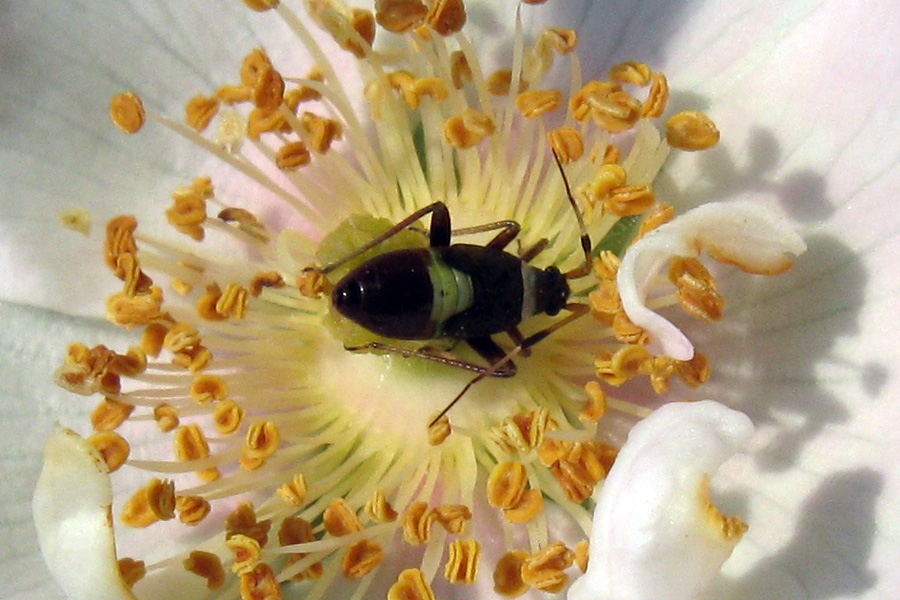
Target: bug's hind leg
x,y
488,350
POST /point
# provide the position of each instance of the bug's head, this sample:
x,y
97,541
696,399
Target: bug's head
x,y
552,291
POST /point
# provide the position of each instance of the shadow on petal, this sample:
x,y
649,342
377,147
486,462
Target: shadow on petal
x,y
828,554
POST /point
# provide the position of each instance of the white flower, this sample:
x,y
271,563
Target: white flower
x,y
807,353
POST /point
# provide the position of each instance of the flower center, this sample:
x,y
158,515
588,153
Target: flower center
x,y
248,372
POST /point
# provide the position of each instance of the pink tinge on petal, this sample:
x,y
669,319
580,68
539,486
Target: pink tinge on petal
x,y
741,233
652,536
73,515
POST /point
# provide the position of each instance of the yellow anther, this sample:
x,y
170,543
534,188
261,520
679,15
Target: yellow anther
x,y
127,112
190,443
506,484
295,530
119,239
544,570
508,574
500,82
361,559
691,130
262,121
191,509
268,92
149,504
655,104
260,584
417,521
460,71
447,17
530,505
292,156
582,549
567,142
730,527
694,372
453,517
605,300
262,440
636,73
233,301
261,5
112,447
660,215
399,16
152,338
208,566
166,417
462,561
242,521
253,64
200,111
630,200
234,94
535,103
379,509
524,431
608,178
322,132
581,104
311,282
339,519
110,414
626,331
180,337
246,553
131,570
595,407
411,585
208,388
363,23
245,220
439,431
564,41
294,492
467,129
265,279
77,219
615,112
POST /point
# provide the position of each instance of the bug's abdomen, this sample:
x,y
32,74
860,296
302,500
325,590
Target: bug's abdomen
x,y
390,295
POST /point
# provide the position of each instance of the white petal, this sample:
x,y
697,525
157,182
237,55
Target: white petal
x,y
73,515
741,233
652,537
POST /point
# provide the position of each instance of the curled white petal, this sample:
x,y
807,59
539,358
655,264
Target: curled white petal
x,y
654,534
73,515
741,233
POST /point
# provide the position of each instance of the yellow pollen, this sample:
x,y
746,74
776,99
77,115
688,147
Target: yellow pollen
x,y
112,447
208,566
200,111
127,112
131,570
260,584
535,103
192,509
410,585
339,519
246,553
462,562
508,574
691,130
361,559
399,16
77,219
110,414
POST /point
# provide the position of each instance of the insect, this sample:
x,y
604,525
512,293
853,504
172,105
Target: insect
x,y
464,292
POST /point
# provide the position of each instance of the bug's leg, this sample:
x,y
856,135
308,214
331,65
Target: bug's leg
x,y
577,311
501,240
439,236
517,339
533,251
508,370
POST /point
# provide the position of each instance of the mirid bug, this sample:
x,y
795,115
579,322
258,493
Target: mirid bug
x,y
464,292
